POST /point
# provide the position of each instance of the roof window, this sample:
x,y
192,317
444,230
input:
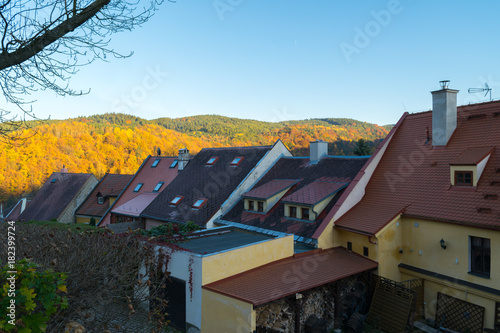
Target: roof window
x,y
174,164
138,187
158,186
155,163
236,161
54,180
212,160
199,203
177,200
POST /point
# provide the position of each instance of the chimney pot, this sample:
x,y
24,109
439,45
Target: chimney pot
x,y
444,114
317,150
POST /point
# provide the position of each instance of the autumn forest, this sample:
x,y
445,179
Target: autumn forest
x,y
118,143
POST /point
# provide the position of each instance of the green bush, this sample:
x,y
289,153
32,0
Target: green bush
x,y
39,294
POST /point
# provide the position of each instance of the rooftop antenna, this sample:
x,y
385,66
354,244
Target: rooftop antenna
x,y
477,90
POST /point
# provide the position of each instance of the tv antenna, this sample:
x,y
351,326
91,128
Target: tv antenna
x,y
478,90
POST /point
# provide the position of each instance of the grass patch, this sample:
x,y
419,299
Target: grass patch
x,y
80,227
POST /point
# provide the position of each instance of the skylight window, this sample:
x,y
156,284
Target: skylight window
x,y
54,180
212,160
175,201
158,186
155,163
174,164
199,203
236,161
138,187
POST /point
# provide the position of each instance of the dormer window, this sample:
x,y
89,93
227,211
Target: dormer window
x,y
463,178
467,168
293,212
155,163
158,186
260,206
177,200
236,161
263,198
100,200
174,164
212,160
199,203
138,187
305,213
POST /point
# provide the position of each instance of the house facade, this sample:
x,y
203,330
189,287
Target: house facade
x,y
430,208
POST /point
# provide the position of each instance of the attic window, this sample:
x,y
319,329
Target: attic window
x,y
199,203
175,201
236,161
158,186
100,200
54,180
174,164
463,178
138,187
212,160
155,163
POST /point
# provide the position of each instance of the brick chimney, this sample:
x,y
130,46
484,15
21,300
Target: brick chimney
x,y
64,169
183,159
317,149
444,114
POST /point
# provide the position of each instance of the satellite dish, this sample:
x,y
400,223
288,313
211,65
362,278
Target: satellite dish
x,y
477,90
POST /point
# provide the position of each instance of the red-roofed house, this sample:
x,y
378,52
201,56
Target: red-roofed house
x,y
102,197
153,176
427,205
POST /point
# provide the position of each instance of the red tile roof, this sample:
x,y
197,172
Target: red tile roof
x,y
135,206
149,176
111,185
292,275
55,195
413,178
472,156
271,188
314,192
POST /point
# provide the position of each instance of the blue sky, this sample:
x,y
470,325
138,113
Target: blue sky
x,y
288,59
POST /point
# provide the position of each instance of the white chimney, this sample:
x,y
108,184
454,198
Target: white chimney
x,y
444,114
317,149
183,159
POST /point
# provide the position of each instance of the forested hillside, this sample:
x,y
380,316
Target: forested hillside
x,y
119,143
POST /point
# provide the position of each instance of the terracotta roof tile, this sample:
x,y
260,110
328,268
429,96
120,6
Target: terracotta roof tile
x,y
270,188
292,275
472,156
109,186
314,192
414,178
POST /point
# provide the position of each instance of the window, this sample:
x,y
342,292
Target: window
x,y
212,160
251,205
158,186
260,206
138,187
100,200
365,251
199,203
293,211
305,213
349,246
155,163
175,201
463,178
174,163
480,260
54,180
236,161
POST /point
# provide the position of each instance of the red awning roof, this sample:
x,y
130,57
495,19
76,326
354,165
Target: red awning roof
x,y
292,275
271,188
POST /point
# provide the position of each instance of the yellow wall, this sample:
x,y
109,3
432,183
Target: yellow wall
x,y
358,242
229,263
84,219
223,314
112,201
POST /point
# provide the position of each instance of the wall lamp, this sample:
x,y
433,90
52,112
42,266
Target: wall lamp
x,y
443,243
